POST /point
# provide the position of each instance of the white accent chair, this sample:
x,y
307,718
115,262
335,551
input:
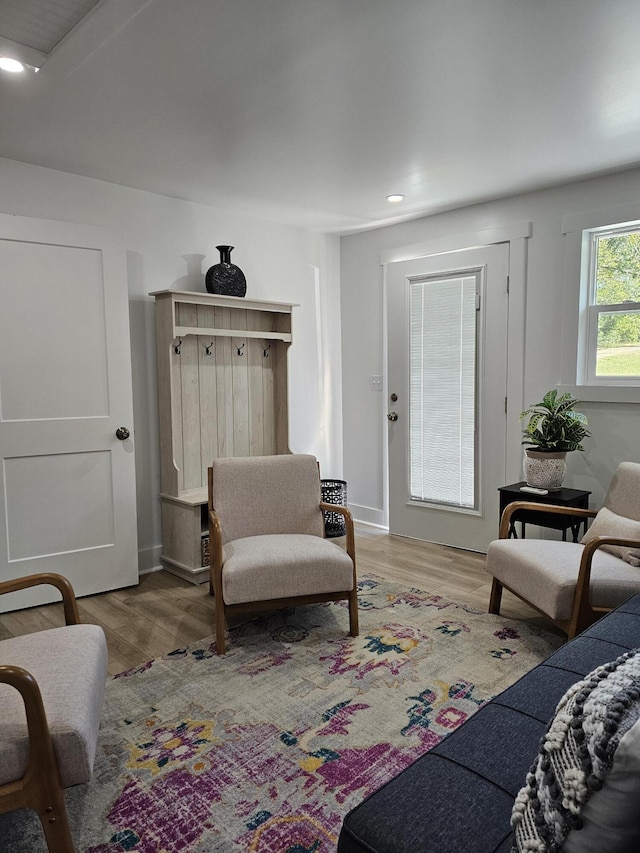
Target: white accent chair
x,y
51,690
267,542
574,583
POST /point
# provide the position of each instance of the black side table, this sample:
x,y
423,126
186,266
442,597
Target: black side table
x,y
563,497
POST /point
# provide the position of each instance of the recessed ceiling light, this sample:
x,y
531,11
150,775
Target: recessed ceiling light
x,y
395,197
8,64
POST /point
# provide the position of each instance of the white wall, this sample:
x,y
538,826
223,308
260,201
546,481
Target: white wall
x,y
170,244
615,426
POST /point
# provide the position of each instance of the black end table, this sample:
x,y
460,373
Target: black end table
x,y
563,497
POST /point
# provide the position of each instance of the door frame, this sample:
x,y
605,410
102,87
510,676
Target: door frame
x,y
516,235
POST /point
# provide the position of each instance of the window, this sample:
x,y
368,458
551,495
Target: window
x,y
443,362
611,330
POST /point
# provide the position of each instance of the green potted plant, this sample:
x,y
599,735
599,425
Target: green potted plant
x,y
552,430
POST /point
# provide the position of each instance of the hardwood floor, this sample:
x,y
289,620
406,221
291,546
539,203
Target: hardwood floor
x,y
164,612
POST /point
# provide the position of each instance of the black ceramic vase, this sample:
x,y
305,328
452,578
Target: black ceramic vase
x,y
225,278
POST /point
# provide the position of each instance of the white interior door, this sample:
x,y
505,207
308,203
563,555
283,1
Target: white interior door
x,y
447,379
67,499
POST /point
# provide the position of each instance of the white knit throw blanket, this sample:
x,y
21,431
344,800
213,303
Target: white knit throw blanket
x,y
576,754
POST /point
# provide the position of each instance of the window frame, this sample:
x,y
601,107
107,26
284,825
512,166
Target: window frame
x,y
590,315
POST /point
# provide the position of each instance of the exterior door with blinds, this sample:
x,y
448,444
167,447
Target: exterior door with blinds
x,y
447,333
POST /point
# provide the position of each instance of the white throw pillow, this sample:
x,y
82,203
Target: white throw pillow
x,y
610,819
607,523
582,793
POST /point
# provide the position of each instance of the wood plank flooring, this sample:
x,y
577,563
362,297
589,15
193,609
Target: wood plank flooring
x,y
164,612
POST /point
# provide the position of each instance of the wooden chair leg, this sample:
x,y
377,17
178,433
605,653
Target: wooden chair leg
x,y
496,596
54,820
354,628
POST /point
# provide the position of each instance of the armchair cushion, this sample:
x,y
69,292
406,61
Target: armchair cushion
x,y
57,658
607,523
545,572
623,494
259,568
267,494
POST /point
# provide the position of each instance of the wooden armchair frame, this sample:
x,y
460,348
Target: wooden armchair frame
x,y
216,568
583,613
39,789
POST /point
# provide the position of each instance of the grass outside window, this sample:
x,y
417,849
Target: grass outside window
x,y
618,361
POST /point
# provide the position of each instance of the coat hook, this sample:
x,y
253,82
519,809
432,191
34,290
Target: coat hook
x,y
265,352
177,346
208,349
240,348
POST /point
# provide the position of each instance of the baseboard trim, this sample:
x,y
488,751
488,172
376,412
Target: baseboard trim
x,y
368,515
149,560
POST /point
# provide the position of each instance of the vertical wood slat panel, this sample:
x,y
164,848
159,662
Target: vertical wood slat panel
x,y
176,403
207,371
224,384
227,403
240,392
255,359
268,393
282,323
191,455
280,396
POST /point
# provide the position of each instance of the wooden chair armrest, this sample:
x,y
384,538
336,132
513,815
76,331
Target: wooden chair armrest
x,y
581,607
41,754
601,541
341,510
348,519
71,615
530,506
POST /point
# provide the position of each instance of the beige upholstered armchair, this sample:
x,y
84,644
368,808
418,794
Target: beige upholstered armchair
x,y
574,583
267,545
51,690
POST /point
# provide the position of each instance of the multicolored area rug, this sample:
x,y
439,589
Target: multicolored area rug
x,y
267,748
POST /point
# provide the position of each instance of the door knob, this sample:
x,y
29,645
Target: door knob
x,y
392,416
122,433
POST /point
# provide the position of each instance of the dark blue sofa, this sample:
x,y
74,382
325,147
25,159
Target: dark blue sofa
x,y
458,797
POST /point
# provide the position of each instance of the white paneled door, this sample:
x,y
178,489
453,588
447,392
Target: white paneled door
x,y
67,496
447,378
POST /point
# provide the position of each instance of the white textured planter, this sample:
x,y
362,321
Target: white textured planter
x,y
545,470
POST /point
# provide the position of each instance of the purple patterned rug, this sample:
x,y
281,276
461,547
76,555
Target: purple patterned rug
x,y
267,748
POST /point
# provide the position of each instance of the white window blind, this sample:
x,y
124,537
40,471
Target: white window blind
x,y
442,367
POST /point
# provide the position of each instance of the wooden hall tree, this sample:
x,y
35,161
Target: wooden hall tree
x,y
222,391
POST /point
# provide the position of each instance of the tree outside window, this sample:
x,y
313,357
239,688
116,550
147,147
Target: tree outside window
x,y
614,311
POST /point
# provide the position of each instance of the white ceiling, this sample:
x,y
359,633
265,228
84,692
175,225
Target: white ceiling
x,y
312,111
